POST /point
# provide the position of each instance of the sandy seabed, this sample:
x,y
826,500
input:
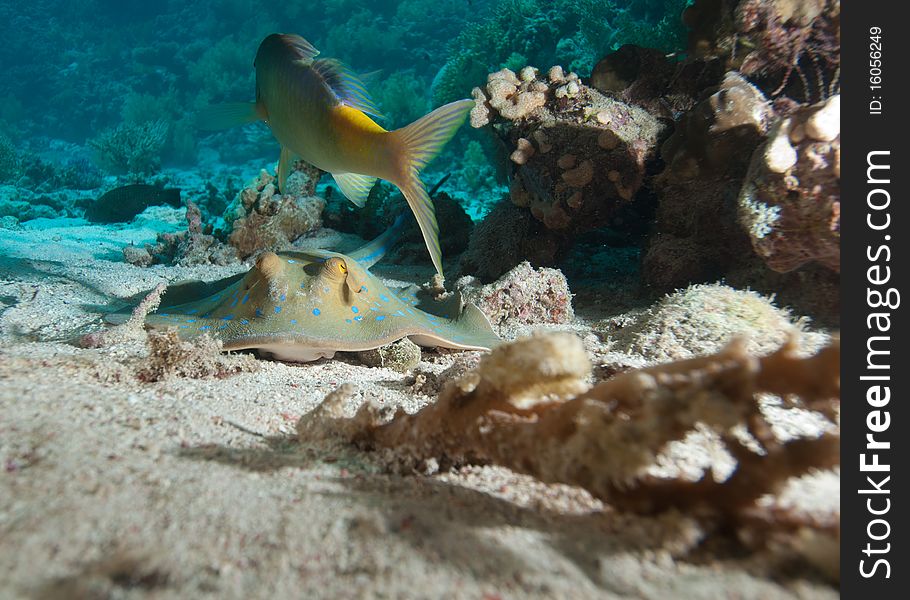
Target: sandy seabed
x,y
113,487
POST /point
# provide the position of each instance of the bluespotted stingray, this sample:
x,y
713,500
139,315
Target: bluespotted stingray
x,y
302,306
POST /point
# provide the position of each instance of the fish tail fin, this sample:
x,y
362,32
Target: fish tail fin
x,y
422,140
230,114
419,143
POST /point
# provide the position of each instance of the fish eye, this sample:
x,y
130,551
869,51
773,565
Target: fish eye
x,y
342,268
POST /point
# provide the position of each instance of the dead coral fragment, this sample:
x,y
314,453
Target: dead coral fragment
x,y
605,438
130,331
169,356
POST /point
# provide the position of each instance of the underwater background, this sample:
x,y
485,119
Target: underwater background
x,y
99,95
625,385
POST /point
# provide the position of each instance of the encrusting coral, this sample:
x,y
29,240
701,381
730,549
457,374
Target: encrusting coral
x,y
579,156
529,407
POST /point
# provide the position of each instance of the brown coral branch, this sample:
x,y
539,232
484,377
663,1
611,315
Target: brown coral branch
x,y
526,408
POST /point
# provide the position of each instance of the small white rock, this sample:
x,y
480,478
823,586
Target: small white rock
x,y
824,125
779,154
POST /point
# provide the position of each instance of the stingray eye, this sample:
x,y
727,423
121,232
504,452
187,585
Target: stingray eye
x,y
342,268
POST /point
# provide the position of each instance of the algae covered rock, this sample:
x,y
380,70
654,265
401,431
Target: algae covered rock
x,y
401,356
701,320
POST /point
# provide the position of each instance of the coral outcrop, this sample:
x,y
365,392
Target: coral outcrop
x,y
195,246
579,156
524,295
790,200
528,407
401,356
263,219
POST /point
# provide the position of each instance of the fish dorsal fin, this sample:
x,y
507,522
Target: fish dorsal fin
x,y
355,187
346,85
306,50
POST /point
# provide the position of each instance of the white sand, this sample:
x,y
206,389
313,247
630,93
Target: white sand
x,y
111,487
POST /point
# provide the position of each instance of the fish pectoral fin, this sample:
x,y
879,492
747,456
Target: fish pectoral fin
x,y
355,187
223,116
285,166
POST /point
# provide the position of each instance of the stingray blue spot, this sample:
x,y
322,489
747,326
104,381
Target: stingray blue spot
x,y
410,312
399,313
383,297
291,261
358,318
380,317
192,311
223,326
348,321
244,322
326,290
293,321
316,311
277,309
374,308
191,320
245,298
355,310
282,298
184,327
234,303
227,318
258,312
164,314
363,288
204,327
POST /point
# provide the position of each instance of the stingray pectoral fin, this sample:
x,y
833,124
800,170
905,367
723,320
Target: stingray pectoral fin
x,y
355,187
471,331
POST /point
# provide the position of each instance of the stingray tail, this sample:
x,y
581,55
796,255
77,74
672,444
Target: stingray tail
x,y
372,252
420,142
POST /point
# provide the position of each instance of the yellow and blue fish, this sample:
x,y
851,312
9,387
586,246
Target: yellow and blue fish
x,y
318,110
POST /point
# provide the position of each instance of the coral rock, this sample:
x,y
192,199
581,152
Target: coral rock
x,y
401,356
563,117
523,295
792,214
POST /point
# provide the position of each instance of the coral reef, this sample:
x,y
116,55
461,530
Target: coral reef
x,y
579,156
528,406
790,200
195,246
263,219
401,356
701,320
524,295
